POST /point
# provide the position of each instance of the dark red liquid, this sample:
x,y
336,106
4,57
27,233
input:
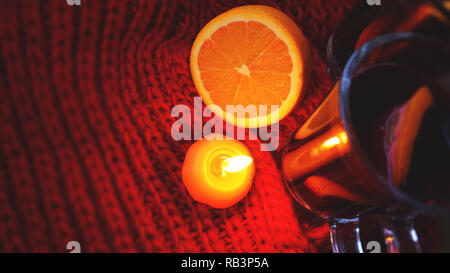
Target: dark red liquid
x,y
349,182
428,176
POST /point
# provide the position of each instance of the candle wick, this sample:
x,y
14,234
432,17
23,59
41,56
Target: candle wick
x,y
224,173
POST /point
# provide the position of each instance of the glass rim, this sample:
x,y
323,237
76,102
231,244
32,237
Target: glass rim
x,y
336,66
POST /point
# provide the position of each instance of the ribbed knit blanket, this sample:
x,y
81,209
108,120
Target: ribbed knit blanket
x,y
86,152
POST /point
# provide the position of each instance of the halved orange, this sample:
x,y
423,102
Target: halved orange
x,y
251,56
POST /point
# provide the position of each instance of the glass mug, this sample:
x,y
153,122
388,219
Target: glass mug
x,y
365,22
379,143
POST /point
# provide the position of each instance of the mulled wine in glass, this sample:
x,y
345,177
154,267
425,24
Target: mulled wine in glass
x,y
381,139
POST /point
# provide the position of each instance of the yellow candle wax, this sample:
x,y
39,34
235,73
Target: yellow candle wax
x,y
218,172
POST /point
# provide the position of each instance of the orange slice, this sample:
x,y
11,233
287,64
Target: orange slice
x,y
251,56
406,125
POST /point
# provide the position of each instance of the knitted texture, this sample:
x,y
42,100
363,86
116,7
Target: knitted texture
x,y
86,153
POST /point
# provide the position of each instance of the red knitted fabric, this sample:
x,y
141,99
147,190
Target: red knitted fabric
x,y
86,152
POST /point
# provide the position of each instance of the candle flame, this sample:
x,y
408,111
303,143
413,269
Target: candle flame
x,y
236,164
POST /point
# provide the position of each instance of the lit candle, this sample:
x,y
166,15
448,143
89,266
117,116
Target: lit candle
x,y
218,172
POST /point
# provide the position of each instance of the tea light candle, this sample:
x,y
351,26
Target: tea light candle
x,y
218,171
